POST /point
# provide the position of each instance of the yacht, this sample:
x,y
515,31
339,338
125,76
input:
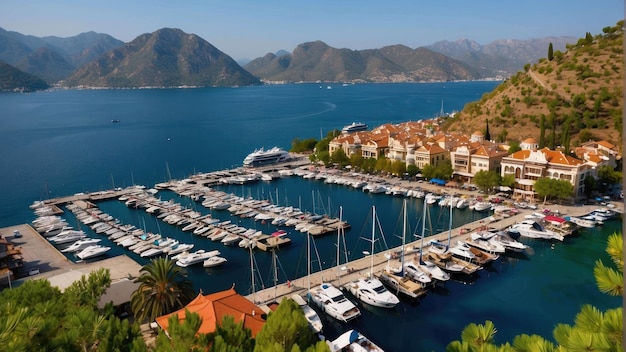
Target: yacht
x,y
214,261
198,256
92,251
354,127
352,340
67,236
262,157
309,313
81,244
372,292
532,229
482,206
334,303
415,272
481,240
434,271
508,242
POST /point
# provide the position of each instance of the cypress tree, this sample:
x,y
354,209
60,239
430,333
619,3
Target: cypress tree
x,y
542,133
487,135
550,52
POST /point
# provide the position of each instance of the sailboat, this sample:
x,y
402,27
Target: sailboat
x,y
395,279
432,270
371,290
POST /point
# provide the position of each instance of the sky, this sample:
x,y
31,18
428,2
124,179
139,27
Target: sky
x,y
253,28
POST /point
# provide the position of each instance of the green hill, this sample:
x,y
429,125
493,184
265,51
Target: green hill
x,y
12,79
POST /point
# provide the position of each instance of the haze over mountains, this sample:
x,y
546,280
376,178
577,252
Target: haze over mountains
x,y
170,57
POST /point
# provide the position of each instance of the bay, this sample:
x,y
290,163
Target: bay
x,y
59,143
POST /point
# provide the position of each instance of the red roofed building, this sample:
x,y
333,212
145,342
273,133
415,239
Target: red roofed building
x,y
530,165
213,307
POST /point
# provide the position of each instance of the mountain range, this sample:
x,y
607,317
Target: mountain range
x,y
171,57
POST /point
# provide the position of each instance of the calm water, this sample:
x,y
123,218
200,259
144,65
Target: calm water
x,y
60,143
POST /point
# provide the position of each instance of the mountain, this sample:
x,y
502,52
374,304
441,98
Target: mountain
x,y
568,98
12,79
53,58
500,58
316,61
165,58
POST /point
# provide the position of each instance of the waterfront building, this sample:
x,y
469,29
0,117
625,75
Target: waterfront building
x,y
600,153
471,157
529,165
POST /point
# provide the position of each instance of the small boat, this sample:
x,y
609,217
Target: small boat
x,y
415,272
352,340
185,260
532,229
92,251
315,323
214,261
67,236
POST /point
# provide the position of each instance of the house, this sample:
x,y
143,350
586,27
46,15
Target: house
x,y
601,153
213,307
529,165
471,157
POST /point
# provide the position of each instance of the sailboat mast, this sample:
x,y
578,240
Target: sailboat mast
x,y
275,271
252,271
339,231
450,227
423,231
373,231
403,239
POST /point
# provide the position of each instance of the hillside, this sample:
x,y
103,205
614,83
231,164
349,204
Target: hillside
x,y
165,58
12,79
576,96
316,61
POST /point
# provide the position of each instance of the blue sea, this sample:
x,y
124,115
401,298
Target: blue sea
x,y
58,143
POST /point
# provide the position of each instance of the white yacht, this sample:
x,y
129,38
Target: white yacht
x,y
92,251
352,340
262,157
354,127
214,261
481,240
198,256
67,237
81,244
415,272
508,242
311,316
532,229
434,271
334,303
372,292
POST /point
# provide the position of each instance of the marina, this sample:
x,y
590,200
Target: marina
x,y
527,292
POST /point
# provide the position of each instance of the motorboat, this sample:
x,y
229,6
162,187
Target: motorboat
x,y
371,291
214,261
81,244
434,271
532,229
431,198
192,258
414,271
353,340
67,236
482,206
315,323
92,251
585,221
481,240
508,242
263,157
354,127
179,248
333,302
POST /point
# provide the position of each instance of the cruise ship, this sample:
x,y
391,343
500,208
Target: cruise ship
x,y
263,157
354,127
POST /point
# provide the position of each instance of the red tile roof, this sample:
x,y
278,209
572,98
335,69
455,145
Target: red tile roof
x,y
213,307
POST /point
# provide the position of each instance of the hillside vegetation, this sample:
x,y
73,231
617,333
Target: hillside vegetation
x,y
564,99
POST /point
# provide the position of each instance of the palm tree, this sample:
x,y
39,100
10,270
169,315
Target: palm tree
x,y
164,288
